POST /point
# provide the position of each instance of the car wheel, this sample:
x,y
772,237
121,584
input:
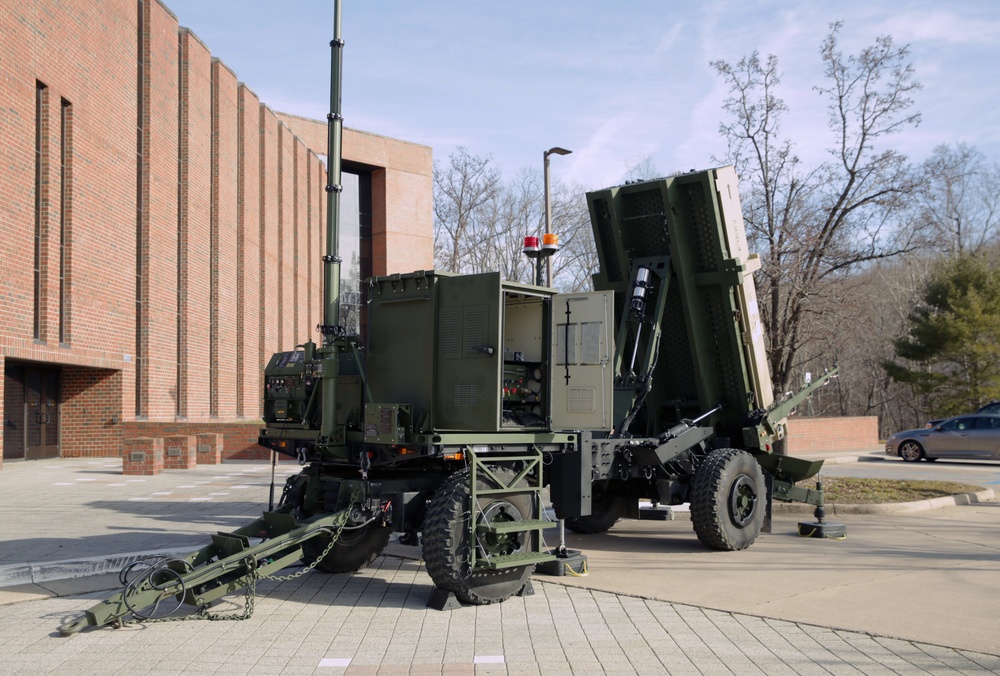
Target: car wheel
x,y
910,451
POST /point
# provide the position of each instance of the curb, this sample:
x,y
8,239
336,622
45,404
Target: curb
x,y
51,571
890,508
841,459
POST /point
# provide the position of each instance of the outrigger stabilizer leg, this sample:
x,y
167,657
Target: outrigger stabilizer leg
x,y
226,566
820,528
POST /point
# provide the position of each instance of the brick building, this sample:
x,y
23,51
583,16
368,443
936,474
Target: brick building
x,y
161,229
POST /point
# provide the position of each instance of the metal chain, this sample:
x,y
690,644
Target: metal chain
x,y
329,547
249,597
250,593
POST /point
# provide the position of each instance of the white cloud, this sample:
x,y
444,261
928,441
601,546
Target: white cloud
x,y
941,26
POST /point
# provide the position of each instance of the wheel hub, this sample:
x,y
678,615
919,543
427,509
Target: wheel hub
x,y
742,501
498,544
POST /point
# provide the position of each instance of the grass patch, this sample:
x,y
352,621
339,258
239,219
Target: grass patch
x,y
851,491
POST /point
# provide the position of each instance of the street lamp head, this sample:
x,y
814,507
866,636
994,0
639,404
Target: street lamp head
x,y
550,242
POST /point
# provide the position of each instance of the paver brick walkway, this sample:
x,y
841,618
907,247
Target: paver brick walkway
x,y
377,622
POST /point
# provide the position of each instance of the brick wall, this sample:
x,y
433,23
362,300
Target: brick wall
x,y
286,239
303,252
402,208
209,448
91,412
239,439
195,225
248,352
225,191
180,452
96,76
269,238
160,185
808,435
176,261
142,456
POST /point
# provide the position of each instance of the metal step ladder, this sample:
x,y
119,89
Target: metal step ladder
x,y
527,468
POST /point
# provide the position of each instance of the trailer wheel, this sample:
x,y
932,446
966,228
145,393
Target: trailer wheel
x,y
447,543
605,510
728,500
354,550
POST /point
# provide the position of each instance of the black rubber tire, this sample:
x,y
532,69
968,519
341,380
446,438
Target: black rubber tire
x,y
354,550
446,542
605,510
915,455
729,499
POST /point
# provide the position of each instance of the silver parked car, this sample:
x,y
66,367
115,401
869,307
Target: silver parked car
x,y
993,408
970,437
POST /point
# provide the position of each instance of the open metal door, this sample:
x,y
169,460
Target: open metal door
x,y
469,358
582,349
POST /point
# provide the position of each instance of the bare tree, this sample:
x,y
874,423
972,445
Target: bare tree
x,y
641,168
576,262
960,200
514,212
461,189
855,326
481,221
813,226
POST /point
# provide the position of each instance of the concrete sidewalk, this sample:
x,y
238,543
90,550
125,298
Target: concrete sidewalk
x,y
63,517
655,599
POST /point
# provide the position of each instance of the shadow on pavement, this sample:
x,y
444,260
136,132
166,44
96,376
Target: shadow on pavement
x,y
869,545
221,514
42,551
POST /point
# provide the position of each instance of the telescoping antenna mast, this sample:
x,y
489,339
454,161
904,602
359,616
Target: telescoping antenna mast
x,y
333,332
335,129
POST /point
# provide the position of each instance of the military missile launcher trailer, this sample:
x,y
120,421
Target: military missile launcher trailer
x,y
471,395
624,393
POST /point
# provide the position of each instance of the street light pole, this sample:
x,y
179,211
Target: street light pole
x,y
548,206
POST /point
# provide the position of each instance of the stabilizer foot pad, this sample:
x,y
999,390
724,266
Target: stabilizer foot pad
x,y
442,599
826,529
527,590
574,562
656,514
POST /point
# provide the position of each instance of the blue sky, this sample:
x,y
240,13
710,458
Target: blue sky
x,y
614,82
